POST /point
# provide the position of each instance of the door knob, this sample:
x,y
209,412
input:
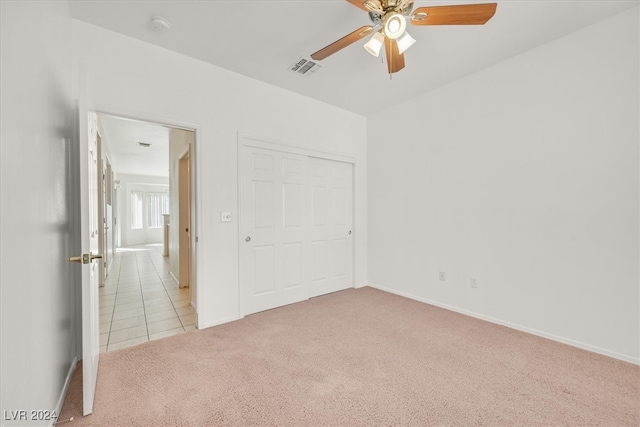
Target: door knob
x,y
248,239
84,258
349,231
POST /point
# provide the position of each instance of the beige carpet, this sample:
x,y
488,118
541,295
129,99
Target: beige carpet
x,y
358,358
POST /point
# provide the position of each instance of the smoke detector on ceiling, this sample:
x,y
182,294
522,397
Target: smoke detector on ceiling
x,y
160,24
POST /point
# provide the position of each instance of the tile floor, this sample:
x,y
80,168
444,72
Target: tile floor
x,y
140,300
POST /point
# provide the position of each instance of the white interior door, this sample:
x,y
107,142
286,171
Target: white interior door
x,y
331,206
274,228
88,180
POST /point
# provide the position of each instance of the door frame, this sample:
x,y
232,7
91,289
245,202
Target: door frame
x,y
195,196
247,140
184,252
104,187
102,273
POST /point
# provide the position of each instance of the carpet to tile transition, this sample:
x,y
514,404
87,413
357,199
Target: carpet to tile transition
x,y
359,357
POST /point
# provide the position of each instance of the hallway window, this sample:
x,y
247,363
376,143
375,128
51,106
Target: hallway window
x,y
136,210
158,204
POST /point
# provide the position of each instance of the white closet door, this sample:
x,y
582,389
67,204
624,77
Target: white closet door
x,y
331,206
274,229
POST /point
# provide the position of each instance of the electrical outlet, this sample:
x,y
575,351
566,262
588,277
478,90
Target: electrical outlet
x,y
473,282
441,276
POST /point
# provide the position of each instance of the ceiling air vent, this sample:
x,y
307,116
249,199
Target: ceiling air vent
x,y
305,66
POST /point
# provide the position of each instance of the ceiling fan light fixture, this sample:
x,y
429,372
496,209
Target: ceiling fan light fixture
x,y
405,42
394,25
389,18
374,45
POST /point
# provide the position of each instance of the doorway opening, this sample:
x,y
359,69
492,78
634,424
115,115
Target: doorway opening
x,y
146,217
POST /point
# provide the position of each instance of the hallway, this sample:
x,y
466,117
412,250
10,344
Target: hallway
x,y
140,301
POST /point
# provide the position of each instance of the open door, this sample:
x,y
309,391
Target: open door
x,y
88,187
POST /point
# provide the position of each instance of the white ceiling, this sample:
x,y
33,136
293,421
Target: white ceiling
x,y
127,156
262,38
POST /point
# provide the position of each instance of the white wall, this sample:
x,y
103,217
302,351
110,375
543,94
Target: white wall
x,y
36,146
129,183
136,79
524,175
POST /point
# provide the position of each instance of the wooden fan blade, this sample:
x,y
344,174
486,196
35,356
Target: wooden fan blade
x,y
395,59
374,4
342,43
465,14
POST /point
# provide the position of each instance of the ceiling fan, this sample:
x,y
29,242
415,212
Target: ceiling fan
x,y
389,19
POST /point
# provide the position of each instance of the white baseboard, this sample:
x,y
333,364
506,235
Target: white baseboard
x,y
65,388
219,322
563,340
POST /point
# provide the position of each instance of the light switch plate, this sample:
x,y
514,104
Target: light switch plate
x,y
225,216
